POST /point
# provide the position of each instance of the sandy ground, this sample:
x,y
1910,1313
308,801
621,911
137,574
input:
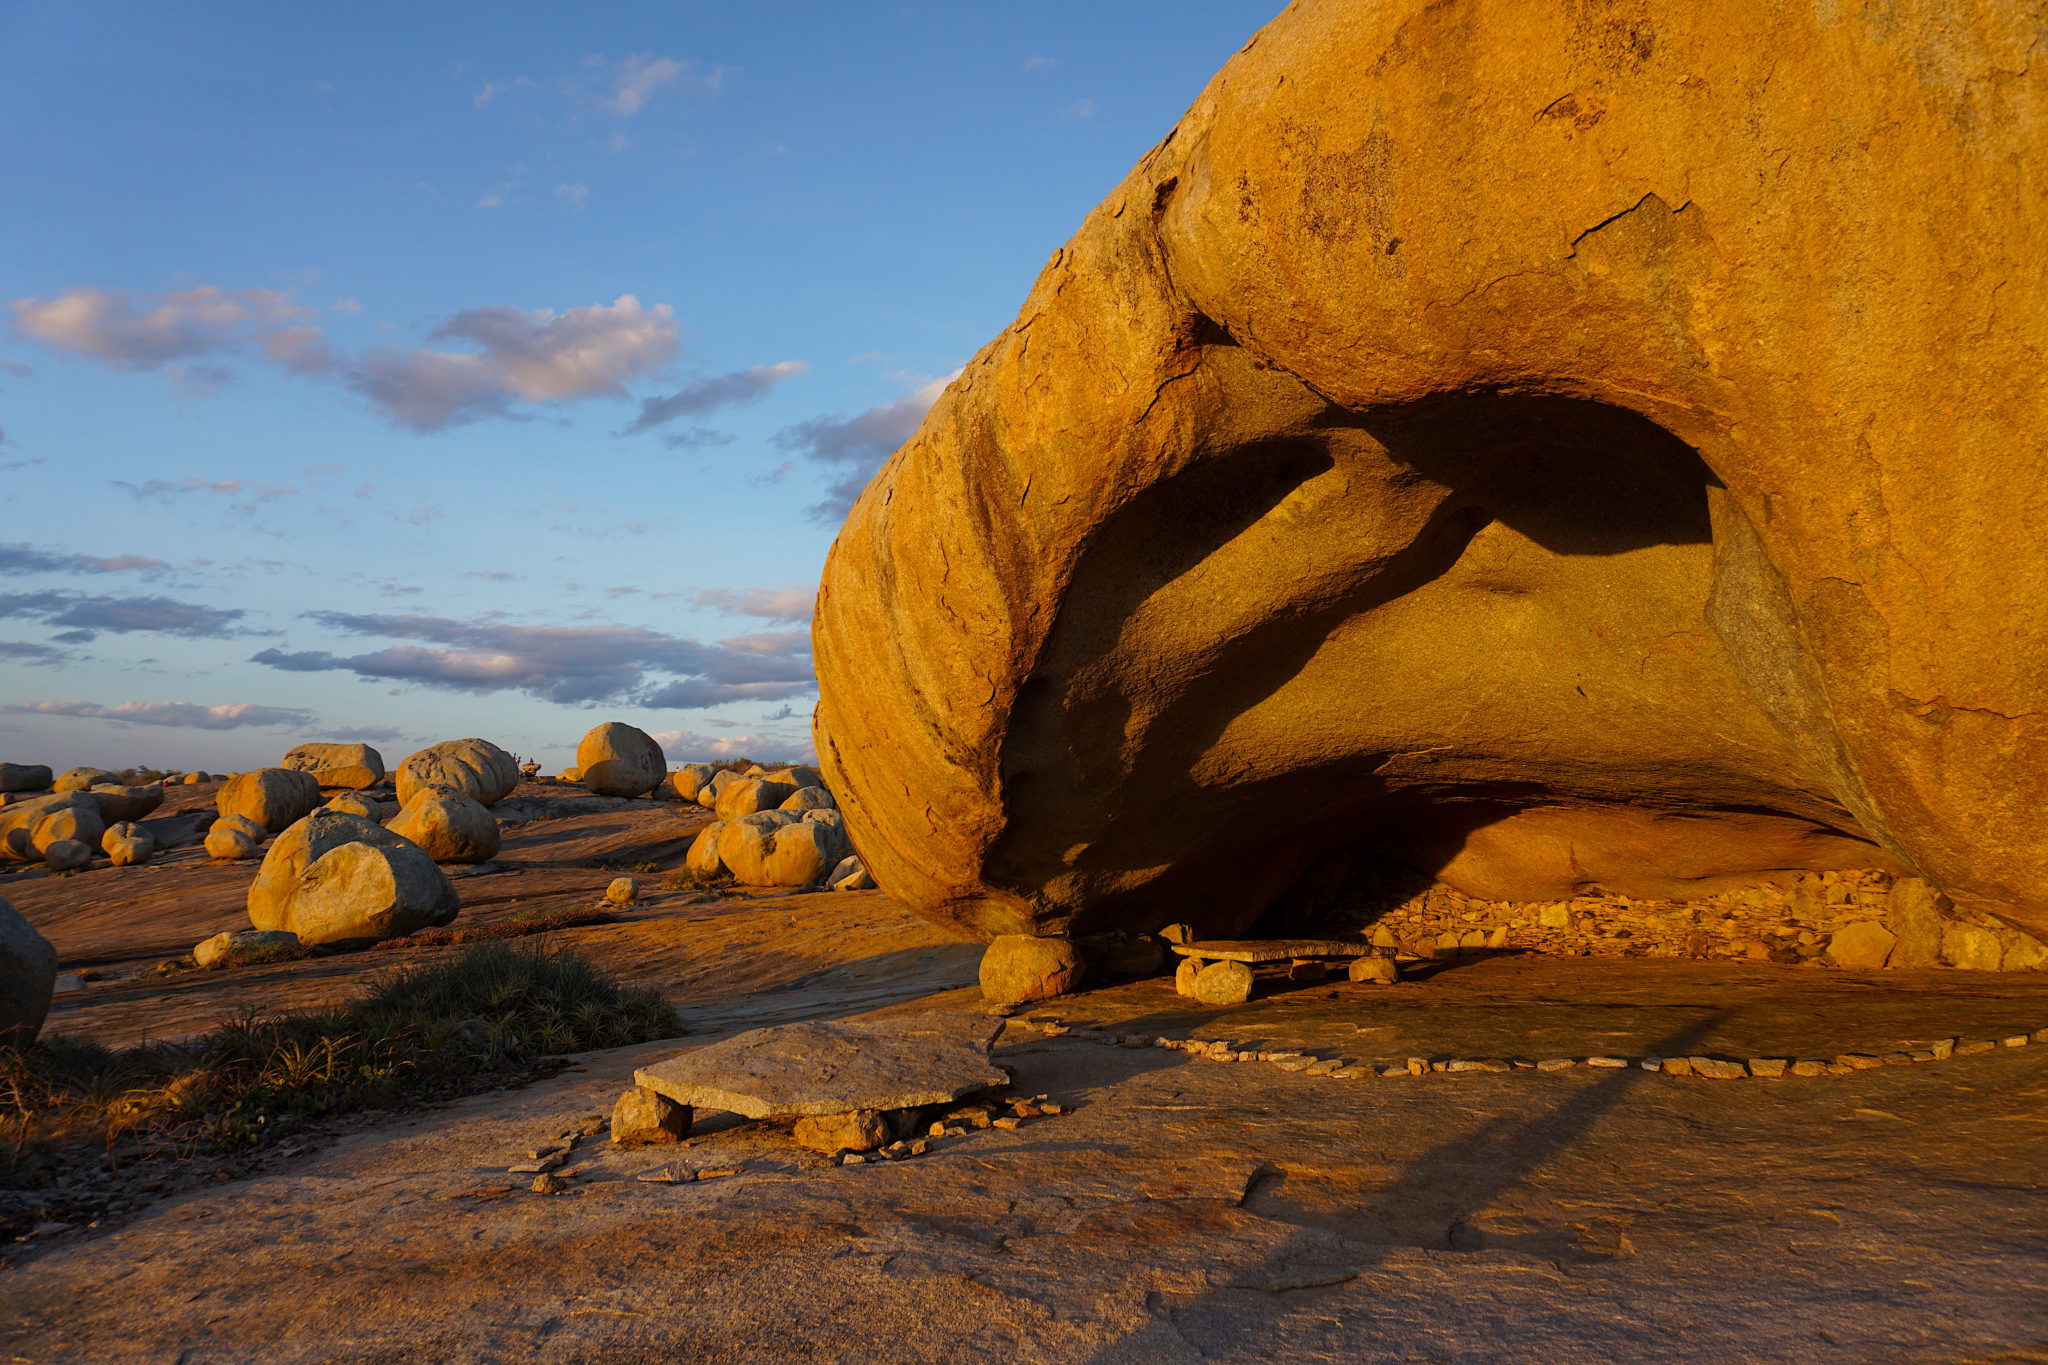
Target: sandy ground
x,y
1184,1211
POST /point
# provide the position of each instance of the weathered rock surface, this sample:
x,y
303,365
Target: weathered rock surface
x,y
835,1068
63,855
448,825
476,766
1487,458
809,798
366,806
1017,969
619,760
334,878
28,973
273,797
78,779
1863,946
233,946
354,766
24,777
127,844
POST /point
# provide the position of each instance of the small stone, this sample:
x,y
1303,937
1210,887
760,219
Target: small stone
x,y
1971,1049
2017,1040
666,1175
623,891
1609,1062
1378,971
1652,1063
549,1184
717,1172
1019,968
1768,1066
1053,1109
1324,1068
1897,1059
2041,1035
1716,1069
1920,1054
1350,1073
1554,1064
1678,1066
1296,1064
1008,1123
1418,1066
1859,1061
1942,1048
1809,1068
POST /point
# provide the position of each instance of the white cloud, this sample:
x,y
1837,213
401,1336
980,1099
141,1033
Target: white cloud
x,y
1083,108
185,714
626,86
860,443
1038,64
770,642
576,195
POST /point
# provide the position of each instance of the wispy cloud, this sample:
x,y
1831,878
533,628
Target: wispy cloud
x,y
568,664
34,656
700,396
246,495
84,615
792,603
858,445
22,558
505,356
621,89
183,714
363,734
522,357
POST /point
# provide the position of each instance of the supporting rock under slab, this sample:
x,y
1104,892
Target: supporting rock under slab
x,y
863,1130
644,1118
835,1068
1020,968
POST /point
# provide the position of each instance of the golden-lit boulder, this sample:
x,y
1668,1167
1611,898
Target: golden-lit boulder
x,y
1547,447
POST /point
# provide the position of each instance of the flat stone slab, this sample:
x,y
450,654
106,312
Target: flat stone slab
x,y
1269,950
835,1068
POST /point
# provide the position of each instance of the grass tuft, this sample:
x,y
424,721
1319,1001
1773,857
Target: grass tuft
x,y
488,1014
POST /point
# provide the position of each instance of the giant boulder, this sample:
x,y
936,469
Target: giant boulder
x,y
24,777
338,878
617,760
1547,447
476,766
28,974
353,766
274,798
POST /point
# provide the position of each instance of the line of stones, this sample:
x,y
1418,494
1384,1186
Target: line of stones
x,y
1712,1068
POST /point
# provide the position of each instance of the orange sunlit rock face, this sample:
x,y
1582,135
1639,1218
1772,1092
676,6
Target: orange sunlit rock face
x,y
1559,447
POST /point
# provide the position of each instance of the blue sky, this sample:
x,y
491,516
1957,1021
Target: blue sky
x,y
404,372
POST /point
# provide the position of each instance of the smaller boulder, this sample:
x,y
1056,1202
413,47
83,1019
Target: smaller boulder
x,y
750,795
1017,969
809,798
703,860
80,823
623,891
850,875
118,803
689,779
234,837
364,805
24,777
67,855
772,848
127,844
708,794
275,798
620,760
799,776
643,1118
354,766
476,766
194,779
236,947
1864,946
78,779
449,825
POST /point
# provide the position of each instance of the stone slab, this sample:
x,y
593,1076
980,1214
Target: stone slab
x,y
1269,950
835,1068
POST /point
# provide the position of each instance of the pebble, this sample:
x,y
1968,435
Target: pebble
x,y
1324,1068
1296,1063
549,1184
1652,1064
1897,1059
2017,1040
1678,1066
1054,1109
716,1172
1418,1066
1607,1061
1809,1068
2041,1035
1943,1048
1859,1061
1972,1049
1717,1069
1008,1123
1768,1066
1555,1064
1921,1054
1350,1073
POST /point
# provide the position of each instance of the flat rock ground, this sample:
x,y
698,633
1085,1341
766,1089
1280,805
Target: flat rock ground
x,y
1183,1210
